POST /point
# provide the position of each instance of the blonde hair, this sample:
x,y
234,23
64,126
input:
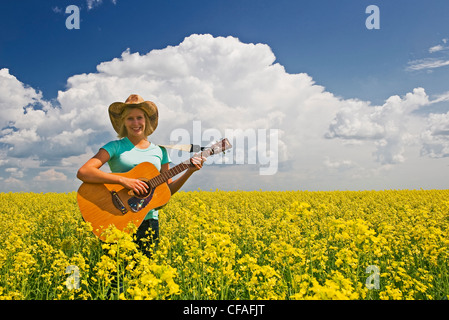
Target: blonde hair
x,y
123,132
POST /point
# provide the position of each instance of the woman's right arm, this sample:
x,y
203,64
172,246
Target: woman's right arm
x,y
90,172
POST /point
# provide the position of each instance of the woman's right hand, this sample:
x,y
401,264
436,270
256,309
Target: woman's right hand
x,y
90,172
136,185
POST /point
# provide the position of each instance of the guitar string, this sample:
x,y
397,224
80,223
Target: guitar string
x,y
163,177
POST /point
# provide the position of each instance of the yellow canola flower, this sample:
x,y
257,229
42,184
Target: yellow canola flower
x,y
234,245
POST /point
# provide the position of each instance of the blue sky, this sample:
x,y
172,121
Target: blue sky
x,y
326,40
322,38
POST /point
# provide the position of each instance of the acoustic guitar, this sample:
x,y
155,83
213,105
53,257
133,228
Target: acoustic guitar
x,y
111,204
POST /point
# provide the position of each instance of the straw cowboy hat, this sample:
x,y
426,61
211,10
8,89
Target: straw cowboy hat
x,y
134,100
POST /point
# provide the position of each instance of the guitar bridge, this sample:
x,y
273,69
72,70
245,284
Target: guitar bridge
x,y
118,203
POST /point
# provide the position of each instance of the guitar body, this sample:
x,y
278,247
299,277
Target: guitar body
x,y
96,204
111,204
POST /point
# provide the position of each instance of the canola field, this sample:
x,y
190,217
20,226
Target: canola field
x,y
234,245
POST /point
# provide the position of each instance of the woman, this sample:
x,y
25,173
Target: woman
x,y
134,120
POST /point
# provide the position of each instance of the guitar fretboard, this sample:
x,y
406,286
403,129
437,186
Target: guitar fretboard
x,y
164,176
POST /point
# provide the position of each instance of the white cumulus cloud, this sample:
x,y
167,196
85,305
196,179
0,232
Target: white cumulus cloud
x,y
391,127
226,85
50,175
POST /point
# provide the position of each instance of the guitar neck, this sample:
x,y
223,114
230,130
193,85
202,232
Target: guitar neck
x,y
165,176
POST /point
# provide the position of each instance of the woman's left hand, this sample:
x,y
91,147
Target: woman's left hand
x,y
197,163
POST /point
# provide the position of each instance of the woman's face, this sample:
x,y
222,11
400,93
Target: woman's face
x,y
135,123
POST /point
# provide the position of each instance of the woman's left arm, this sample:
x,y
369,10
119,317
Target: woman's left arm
x,y
178,183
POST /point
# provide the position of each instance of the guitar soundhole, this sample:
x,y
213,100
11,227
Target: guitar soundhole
x,y
146,194
137,203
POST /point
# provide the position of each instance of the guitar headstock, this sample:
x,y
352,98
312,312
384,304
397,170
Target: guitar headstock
x,y
218,147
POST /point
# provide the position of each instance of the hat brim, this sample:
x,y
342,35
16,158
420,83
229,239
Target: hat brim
x,y
115,113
